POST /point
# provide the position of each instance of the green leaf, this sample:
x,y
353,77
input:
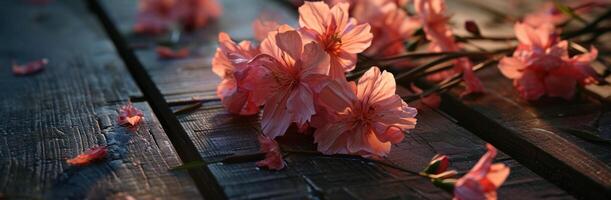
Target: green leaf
x,y
445,184
189,165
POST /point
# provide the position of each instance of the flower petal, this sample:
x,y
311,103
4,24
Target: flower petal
x,y
314,15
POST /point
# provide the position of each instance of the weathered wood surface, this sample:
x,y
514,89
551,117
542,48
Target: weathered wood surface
x,y
218,134
71,106
547,135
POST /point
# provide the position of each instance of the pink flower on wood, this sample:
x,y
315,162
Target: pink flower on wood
x,y
292,71
541,65
156,16
482,181
230,63
363,119
273,157
29,68
338,34
435,25
130,117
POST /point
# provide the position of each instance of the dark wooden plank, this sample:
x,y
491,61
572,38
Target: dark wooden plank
x,y
72,106
218,134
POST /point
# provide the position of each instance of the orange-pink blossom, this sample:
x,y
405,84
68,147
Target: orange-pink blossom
x,y
338,34
289,72
364,119
482,181
541,65
230,63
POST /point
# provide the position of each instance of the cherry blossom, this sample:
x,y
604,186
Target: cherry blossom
x,y
130,117
435,25
482,181
292,71
541,65
230,63
363,119
273,157
89,156
340,36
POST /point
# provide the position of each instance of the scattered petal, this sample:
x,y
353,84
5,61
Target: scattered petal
x,y
169,53
29,68
89,156
130,117
273,157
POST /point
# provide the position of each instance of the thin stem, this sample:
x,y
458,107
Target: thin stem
x,y
588,28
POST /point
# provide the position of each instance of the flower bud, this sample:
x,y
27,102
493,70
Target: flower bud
x,y
438,164
472,28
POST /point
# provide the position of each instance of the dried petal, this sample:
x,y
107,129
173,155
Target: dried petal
x,y
89,156
273,157
30,68
130,116
169,53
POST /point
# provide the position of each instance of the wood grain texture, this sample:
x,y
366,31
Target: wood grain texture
x,y
70,107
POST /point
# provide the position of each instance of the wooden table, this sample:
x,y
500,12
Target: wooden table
x,y
97,64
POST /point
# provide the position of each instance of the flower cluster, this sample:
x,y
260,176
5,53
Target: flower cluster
x,y
298,76
541,64
157,16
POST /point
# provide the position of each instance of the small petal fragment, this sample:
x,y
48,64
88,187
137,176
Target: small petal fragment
x,y
89,156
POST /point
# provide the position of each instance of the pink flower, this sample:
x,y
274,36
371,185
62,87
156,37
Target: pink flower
x,y
29,68
169,53
390,26
363,119
130,116
292,70
263,25
230,63
340,36
482,181
273,157
435,24
541,65
156,16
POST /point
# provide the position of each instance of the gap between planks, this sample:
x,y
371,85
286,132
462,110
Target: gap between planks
x,y
206,183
